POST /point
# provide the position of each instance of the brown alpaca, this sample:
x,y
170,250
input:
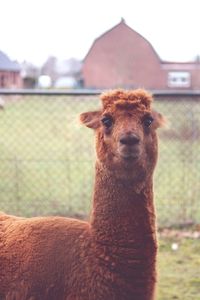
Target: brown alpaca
x,y
113,257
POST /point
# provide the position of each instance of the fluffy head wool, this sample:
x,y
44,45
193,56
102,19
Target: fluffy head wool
x,y
138,98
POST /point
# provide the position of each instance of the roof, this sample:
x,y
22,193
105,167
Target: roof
x,y
180,66
122,23
6,64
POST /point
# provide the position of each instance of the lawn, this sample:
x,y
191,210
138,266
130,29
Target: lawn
x,y
179,271
47,159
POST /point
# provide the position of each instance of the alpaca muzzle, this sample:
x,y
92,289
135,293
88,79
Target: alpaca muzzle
x,y
129,139
129,146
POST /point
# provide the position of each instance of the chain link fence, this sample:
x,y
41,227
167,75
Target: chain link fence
x,y
47,157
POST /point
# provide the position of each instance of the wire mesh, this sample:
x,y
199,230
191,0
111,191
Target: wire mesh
x,y
47,158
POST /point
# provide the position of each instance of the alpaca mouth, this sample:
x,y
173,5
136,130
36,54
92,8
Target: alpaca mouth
x,y
130,156
129,153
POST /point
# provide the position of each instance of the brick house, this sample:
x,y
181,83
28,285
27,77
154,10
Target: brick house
x,y
10,76
121,57
185,75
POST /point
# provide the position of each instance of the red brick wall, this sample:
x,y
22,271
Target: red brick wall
x,y
10,79
190,67
195,78
123,58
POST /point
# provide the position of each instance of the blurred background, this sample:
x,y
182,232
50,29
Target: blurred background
x,y
55,59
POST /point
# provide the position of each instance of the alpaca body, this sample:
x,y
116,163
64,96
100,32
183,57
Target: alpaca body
x,y
113,256
116,251
37,257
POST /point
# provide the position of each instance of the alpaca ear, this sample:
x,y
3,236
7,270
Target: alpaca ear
x,y
159,119
91,119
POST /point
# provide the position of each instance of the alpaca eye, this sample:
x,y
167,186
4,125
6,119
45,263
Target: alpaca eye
x,y
147,121
107,121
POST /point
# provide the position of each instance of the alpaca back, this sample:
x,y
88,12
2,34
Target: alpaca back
x,y
40,255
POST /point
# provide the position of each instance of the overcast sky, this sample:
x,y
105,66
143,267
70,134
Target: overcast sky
x,y
34,29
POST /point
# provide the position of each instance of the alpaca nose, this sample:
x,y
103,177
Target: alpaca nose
x,y
129,139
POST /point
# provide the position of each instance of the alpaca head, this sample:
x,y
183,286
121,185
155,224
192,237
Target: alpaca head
x,y
126,140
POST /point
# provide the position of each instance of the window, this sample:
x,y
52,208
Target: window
x,y
179,79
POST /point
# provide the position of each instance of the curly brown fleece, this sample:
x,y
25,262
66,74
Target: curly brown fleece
x,y
113,256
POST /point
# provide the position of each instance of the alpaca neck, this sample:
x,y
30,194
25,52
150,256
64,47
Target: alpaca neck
x,y
122,213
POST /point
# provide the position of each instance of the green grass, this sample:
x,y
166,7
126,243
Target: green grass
x,y
47,159
177,182
179,271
